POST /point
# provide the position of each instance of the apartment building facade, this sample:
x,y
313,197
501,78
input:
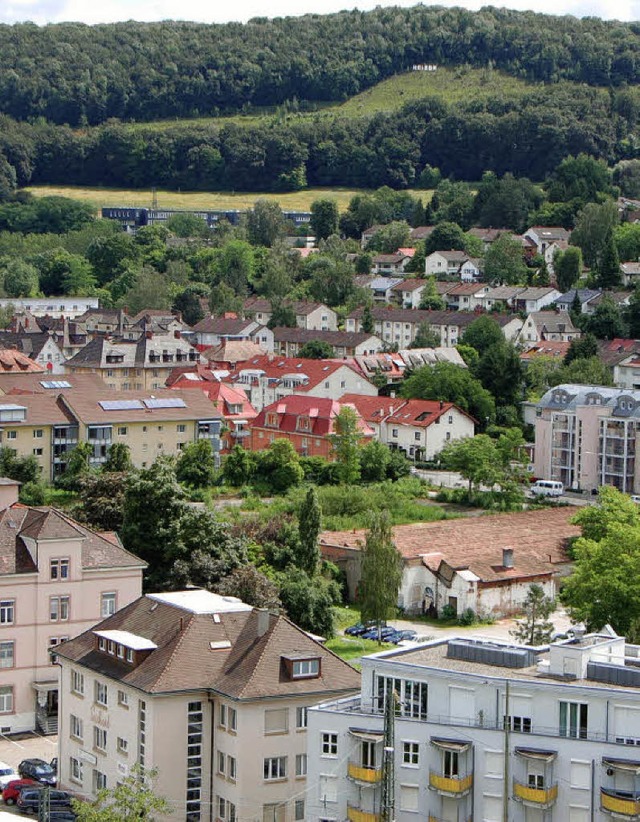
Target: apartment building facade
x,y
484,731
57,578
208,690
586,436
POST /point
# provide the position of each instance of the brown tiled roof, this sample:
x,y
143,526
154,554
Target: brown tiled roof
x,y
32,383
223,325
18,521
410,285
13,361
539,539
304,335
232,351
417,315
251,668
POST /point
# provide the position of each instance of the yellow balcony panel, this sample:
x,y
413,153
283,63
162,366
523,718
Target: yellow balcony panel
x,y
451,785
541,797
370,776
615,803
356,815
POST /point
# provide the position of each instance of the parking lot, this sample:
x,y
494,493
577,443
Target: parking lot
x,y
16,748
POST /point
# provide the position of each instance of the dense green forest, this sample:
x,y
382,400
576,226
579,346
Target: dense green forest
x,y
77,74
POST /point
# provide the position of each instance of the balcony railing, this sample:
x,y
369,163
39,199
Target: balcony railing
x,y
540,797
370,776
620,802
356,815
452,785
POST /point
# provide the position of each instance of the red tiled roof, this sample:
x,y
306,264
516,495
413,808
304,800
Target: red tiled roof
x,y
321,412
423,413
546,348
13,360
373,409
409,285
276,367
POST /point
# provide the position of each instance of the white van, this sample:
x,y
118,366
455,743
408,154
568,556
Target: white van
x,y
547,488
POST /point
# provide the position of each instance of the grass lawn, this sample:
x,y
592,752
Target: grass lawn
x,y
206,200
349,648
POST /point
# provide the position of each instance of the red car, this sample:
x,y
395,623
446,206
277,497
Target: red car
x,y
11,793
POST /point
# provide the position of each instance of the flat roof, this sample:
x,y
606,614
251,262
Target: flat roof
x,y
199,601
129,640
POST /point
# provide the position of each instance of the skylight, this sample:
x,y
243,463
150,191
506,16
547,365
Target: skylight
x,y
55,384
120,405
172,402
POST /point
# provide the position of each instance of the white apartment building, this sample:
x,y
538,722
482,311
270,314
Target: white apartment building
x,y
586,436
57,578
69,307
486,731
208,690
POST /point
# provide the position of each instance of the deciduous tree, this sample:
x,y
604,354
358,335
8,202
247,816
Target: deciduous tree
x,y
381,566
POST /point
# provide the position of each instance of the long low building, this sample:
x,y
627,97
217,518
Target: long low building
x,y
483,563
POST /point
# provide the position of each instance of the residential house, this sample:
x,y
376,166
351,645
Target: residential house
x,y
134,365
57,578
565,302
530,300
50,420
421,232
408,293
307,422
398,326
212,331
548,325
374,410
544,236
545,348
487,235
368,234
391,367
390,264
501,298
383,288
621,357
269,378
39,347
230,352
483,729
630,272
619,298
417,357
585,437
105,321
485,564
228,685
313,315
453,264
289,341
466,296
69,307
70,335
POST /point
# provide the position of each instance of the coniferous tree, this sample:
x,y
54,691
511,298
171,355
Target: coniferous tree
x,y
309,524
535,628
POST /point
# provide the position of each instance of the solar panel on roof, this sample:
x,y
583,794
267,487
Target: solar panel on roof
x,y
169,402
55,384
120,405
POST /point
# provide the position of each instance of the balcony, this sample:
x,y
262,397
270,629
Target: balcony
x,y
450,785
622,804
370,776
356,815
537,797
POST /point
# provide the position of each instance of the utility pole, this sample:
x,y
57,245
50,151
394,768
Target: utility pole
x,y
154,198
44,804
507,729
388,804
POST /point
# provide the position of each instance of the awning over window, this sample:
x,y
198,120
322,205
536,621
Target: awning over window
x,y
366,735
627,765
457,745
536,753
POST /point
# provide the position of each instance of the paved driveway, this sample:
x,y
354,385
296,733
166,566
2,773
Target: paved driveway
x,y
24,746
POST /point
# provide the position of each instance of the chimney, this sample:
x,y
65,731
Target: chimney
x,y
263,621
177,334
507,557
9,490
441,405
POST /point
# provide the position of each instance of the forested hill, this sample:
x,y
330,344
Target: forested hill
x,y
77,74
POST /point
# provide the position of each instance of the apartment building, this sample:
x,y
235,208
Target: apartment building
x,y
133,365
408,293
47,418
586,436
57,578
309,314
69,307
208,690
212,331
484,730
548,325
289,341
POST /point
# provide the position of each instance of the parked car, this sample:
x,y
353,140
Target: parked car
x,y
62,815
361,628
7,774
385,631
12,791
29,800
407,634
39,770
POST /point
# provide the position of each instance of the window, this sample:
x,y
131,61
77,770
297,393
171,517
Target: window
x,y
222,762
99,738
101,693
573,719
59,569
410,753
328,788
416,435
233,719
122,431
7,611
521,724
6,699
7,654
329,744
37,452
274,813
122,745
413,696
451,764
275,767
232,768
123,699
301,765
75,770
77,683
299,809
37,434
301,718
447,436
181,428
222,715
305,668
120,651
75,727
450,419
536,780
58,609
99,781
409,795
129,655
276,721
107,604
12,435
394,432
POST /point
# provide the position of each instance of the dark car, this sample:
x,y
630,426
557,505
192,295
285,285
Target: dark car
x,y
407,634
356,630
385,631
39,770
29,800
62,815
12,791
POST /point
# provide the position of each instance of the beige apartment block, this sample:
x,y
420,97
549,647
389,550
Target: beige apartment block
x,y
208,690
57,578
586,437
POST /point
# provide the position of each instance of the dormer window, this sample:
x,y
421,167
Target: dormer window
x,y
124,645
302,667
304,424
272,420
